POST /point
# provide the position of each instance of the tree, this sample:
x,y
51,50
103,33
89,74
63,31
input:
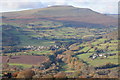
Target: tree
x,y
10,56
60,75
26,74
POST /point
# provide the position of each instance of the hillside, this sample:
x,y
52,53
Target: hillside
x,y
46,25
59,42
62,13
112,15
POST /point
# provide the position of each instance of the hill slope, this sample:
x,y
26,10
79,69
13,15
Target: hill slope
x,y
64,13
47,25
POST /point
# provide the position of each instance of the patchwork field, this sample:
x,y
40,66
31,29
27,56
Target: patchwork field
x,y
24,59
59,42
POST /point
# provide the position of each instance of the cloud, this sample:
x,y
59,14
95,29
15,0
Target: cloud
x,y
13,6
103,6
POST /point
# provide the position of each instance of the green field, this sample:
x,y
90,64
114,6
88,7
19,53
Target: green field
x,y
20,65
98,62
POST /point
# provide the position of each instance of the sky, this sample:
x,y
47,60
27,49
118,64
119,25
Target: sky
x,y
102,6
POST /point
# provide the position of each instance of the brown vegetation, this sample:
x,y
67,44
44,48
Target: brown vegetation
x,y
24,59
25,74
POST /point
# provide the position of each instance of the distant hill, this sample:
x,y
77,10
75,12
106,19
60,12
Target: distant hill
x,y
112,15
62,13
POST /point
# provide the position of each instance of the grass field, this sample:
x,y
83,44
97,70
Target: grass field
x,y
98,61
21,65
40,52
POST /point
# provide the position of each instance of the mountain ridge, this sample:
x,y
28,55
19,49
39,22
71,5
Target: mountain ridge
x,y
64,13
